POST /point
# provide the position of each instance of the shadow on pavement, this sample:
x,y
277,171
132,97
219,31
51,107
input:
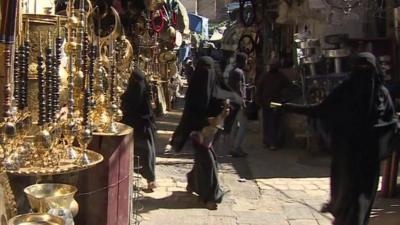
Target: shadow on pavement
x,y
386,212
177,200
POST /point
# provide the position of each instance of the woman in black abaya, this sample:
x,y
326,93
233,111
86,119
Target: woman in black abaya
x,y
357,118
205,98
138,113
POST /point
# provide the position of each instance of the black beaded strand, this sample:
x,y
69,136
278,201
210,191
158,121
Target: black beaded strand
x,y
42,88
49,81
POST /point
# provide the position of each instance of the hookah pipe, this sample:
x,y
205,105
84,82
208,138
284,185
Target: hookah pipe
x,y
17,78
21,86
49,81
42,86
92,61
7,38
56,76
27,50
70,48
86,104
113,106
113,74
86,134
84,56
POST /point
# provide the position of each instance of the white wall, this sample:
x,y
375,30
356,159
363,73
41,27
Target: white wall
x,y
37,6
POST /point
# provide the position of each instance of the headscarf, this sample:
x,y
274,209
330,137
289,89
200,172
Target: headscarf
x,y
135,102
201,87
204,98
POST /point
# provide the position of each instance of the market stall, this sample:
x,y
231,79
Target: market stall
x,y
63,77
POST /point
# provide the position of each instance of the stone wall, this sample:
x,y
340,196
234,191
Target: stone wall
x,y
207,8
190,5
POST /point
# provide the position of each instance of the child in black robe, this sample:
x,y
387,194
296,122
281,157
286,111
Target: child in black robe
x,y
138,113
205,98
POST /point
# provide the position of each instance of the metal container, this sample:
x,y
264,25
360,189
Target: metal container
x,y
36,219
43,197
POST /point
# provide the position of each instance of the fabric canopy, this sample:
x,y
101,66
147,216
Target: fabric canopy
x,y
198,24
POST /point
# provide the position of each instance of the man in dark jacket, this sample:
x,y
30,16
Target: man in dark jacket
x,y
270,88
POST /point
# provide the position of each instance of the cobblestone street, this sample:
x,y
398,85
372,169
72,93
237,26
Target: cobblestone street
x,y
285,187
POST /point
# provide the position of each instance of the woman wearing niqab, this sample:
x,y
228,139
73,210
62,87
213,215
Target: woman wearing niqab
x,y
205,98
356,119
138,113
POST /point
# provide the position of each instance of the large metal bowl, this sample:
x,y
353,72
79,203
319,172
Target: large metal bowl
x,y
36,219
43,197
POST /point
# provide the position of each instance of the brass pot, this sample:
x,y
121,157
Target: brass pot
x,y
36,219
43,197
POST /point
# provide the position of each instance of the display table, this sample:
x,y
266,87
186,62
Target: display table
x,y
104,195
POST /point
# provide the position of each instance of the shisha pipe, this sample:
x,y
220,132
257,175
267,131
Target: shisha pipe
x,y
56,75
9,10
17,76
43,139
21,87
92,61
49,80
42,86
70,129
85,55
27,50
85,136
113,105
7,38
99,100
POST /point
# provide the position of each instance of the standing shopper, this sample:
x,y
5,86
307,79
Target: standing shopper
x,y
237,82
359,120
138,113
270,88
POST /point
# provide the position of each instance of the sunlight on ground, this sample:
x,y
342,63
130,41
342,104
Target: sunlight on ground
x,y
165,132
167,123
175,113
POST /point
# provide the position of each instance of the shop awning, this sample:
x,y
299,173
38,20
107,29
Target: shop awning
x,y
198,24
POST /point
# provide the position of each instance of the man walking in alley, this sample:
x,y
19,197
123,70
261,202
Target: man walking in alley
x,y
237,81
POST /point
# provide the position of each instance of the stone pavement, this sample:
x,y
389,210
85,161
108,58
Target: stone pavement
x,y
285,187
